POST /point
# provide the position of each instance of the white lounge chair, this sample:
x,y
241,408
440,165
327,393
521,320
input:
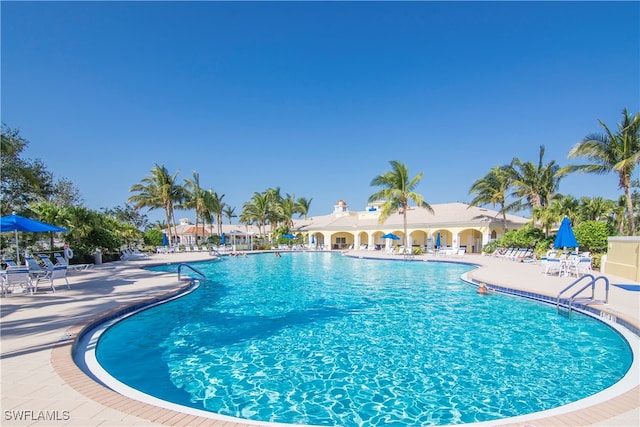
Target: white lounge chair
x,y
584,266
35,270
60,260
128,255
16,276
552,266
10,262
58,272
46,261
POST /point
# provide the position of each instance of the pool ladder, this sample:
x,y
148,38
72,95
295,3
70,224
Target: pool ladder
x,y
574,298
203,278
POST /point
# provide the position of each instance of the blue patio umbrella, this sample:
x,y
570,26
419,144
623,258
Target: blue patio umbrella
x,y
289,236
313,239
223,239
390,236
165,239
565,237
17,223
438,240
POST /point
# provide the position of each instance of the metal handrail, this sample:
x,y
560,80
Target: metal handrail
x,y
592,283
195,270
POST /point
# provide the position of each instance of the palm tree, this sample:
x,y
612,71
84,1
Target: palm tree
x,y
303,205
194,197
287,210
275,212
158,191
229,212
213,208
536,184
397,192
596,208
256,211
618,152
492,189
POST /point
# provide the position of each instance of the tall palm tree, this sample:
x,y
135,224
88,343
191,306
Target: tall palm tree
x,y
229,212
535,183
214,206
302,206
618,152
397,192
194,196
492,189
287,210
275,212
256,211
158,191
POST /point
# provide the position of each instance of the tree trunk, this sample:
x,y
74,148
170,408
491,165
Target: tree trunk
x,y
632,224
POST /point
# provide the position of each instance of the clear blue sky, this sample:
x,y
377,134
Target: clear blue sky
x,y
315,98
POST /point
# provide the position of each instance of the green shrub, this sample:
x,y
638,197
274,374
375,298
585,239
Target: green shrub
x,y
153,237
592,236
526,237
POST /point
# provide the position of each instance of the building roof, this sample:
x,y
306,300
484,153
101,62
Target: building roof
x,y
444,215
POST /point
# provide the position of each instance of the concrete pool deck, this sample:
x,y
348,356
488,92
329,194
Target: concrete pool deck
x,y
42,386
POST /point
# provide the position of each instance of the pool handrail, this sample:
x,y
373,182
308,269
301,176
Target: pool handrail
x,y
592,283
192,268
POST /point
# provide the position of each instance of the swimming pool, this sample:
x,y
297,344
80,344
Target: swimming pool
x,y
316,338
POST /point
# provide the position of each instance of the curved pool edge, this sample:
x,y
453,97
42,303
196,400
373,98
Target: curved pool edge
x,y
628,383
608,406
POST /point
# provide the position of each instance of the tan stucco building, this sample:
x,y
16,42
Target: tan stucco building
x,y
458,224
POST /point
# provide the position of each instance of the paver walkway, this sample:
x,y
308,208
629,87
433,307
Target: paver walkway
x,y
42,386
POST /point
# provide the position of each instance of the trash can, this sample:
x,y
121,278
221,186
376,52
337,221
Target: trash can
x,y
98,257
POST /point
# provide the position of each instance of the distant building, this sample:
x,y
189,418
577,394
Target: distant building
x,y
458,224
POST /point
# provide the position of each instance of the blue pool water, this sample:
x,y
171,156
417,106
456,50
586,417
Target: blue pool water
x,y
317,338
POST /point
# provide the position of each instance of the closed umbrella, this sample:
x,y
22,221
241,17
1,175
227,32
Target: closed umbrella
x,y
223,239
17,223
438,240
165,240
565,237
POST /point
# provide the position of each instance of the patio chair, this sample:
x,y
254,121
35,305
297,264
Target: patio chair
x,y
10,262
46,261
35,270
552,266
128,255
16,276
584,266
58,272
60,260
